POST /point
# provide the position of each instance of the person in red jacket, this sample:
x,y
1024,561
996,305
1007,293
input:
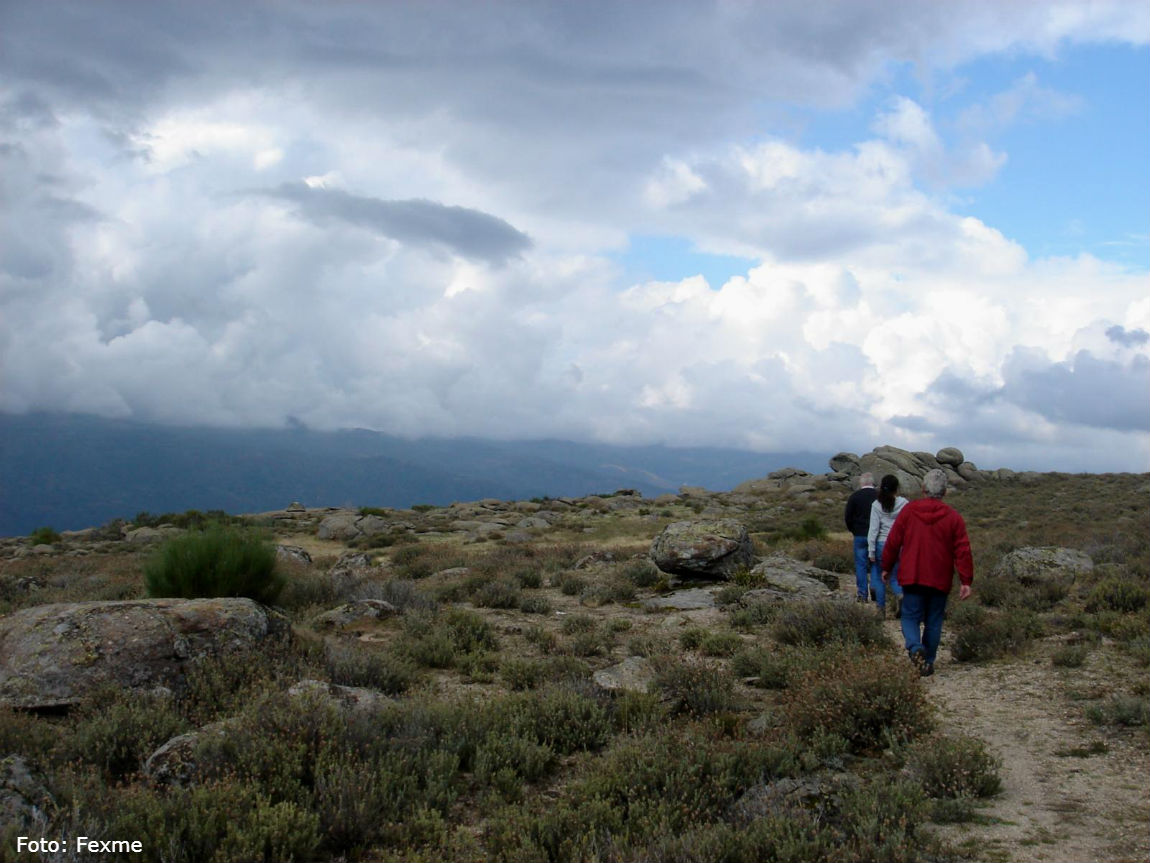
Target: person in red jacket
x,y
928,542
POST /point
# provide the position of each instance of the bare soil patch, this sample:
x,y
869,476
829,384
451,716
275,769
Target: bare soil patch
x,y
1059,803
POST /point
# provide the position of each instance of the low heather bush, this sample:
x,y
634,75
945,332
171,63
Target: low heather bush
x,y
813,624
500,593
697,688
868,699
954,767
219,561
535,605
1121,710
1070,656
1117,593
117,731
980,635
381,670
748,616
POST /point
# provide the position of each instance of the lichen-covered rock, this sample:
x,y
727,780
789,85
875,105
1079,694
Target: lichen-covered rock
x,y
633,674
176,762
694,599
293,553
356,611
1037,565
784,576
704,549
54,655
339,526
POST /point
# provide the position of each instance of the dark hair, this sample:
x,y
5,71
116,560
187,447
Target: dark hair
x,y
887,490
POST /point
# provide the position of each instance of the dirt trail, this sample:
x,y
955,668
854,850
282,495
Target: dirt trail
x,y
1054,808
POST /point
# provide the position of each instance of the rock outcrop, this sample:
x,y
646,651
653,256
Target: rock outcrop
x,y
54,655
713,548
909,467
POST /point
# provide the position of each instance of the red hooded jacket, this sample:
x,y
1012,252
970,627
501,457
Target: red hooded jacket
x,y
928,542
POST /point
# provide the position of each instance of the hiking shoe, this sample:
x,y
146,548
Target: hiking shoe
x,y
927,669
918,660
861,599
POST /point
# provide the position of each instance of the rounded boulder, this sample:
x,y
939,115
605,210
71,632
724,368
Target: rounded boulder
x,y
714,548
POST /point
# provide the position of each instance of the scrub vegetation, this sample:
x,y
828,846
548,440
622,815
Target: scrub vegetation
x,y
769,730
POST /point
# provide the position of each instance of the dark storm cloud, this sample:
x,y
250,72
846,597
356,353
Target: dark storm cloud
x,y
1127,338
1085,389
470,233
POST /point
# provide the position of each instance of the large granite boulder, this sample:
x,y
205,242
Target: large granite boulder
x,y
845,462
54,655
950,455
714,548
1037,565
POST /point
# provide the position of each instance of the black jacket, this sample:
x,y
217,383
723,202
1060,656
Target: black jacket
x,y
857,515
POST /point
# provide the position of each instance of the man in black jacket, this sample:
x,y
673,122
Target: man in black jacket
x,y
857,517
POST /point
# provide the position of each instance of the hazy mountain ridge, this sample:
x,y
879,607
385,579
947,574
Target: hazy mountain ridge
x,y
73,471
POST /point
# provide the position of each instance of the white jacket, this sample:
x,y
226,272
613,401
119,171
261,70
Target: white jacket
x,y
881,522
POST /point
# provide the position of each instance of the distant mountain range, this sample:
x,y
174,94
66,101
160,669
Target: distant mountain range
x,y
71,471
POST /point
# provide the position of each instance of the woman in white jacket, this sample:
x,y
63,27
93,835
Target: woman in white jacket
x,y
883,512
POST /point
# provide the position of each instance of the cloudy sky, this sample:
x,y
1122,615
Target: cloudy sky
x,y
776,226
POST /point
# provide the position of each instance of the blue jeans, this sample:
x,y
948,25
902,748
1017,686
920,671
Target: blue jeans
x,y
866,575
892,582
922,616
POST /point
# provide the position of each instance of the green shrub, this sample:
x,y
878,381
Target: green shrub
x,y
578,623
503,759
219,561
1116,593
522,673
558,716
44,536
980,635
501,593
954,767
771,668
1121,710
571,584
400,592
304,588
225,821
529,577
710,643
635,712
866,698
117,731
754,614
652,785
641,573
535,605
375,669
817,623
1069,656
695,687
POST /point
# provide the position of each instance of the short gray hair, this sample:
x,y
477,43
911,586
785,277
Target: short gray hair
x,y
866,479
934,483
